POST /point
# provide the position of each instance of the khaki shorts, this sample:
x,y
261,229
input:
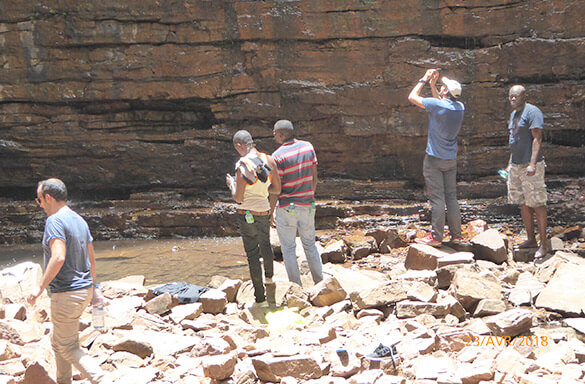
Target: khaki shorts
x,y
527,190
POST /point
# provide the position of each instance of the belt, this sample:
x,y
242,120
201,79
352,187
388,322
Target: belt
x,y
243,212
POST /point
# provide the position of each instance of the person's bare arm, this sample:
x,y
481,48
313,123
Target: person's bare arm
x,y
92,267
238,194
58,252
433,84
536,145
275,184
414,97
315,178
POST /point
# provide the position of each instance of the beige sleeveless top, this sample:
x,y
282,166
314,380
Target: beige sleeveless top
x,y
256,195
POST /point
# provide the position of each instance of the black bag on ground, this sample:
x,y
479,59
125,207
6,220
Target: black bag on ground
x,y
185,292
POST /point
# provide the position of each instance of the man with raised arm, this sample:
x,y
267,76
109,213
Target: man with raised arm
x,y
440,163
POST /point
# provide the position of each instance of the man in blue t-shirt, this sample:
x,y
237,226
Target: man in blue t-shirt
x,y
440,163
526,185
70,274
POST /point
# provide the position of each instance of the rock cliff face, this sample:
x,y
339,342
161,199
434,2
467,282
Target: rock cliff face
x,y
119,97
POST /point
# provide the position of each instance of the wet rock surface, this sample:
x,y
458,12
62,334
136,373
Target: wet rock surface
x,y
152,215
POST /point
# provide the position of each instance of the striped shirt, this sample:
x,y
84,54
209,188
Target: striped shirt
x,y
295,160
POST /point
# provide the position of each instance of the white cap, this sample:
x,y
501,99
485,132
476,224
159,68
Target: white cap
x,y
453,86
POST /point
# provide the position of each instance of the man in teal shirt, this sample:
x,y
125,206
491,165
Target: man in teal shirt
x,y
526,185
70,274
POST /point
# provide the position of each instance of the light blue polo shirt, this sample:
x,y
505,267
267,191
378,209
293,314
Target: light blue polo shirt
x,y
445,118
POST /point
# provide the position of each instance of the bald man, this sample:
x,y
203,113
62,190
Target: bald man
x,y
526,168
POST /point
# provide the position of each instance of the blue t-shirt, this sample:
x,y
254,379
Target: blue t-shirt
x,y
445,118
73,230
519,126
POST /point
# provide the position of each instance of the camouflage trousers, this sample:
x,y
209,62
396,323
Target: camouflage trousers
x,y
527,190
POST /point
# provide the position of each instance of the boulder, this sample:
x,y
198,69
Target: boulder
x,y
359,245
37,374
445,276
214,301
456,259
129,286
18,279
335,252
230,288
510,323
327,292
21,332
526,289
15,311
421,256
6,379
563,293
455,307
392,239
7,352
453,339
422,276
219,367
469,287
355,280
375,313
343,363
273,369
475,373
555,359
13,367
511,362
126,359
189,311
407,308
488,307
490,245
210,346
382,295
138,346
421,292
159,304
163,343
431,368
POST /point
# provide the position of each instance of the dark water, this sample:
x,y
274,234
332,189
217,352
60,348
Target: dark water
x,y
160,261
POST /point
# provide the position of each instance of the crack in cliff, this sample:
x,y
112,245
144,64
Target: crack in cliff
x,y
505,5
154,141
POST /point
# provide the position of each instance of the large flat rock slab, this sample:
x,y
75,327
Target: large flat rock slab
x,y
564,292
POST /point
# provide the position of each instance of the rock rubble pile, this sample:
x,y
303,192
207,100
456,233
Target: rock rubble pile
x,y
475,313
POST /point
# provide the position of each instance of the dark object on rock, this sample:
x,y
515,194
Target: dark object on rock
x,y
382,351
185,292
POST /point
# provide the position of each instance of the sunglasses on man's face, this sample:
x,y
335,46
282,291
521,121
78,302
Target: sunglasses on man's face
x,y
38,201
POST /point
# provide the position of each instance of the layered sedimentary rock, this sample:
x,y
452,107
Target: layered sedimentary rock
x,y
119,97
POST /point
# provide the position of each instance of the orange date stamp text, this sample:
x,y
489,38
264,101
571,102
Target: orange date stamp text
x,y
518,341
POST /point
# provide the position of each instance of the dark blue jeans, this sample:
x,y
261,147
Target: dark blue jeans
x,y
256,238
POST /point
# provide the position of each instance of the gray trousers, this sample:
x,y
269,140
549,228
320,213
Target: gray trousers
x,y
441,188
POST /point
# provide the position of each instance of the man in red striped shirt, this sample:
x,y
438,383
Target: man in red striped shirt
x,y
297,167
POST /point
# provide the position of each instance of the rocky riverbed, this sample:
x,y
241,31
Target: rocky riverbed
x,y
479,312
